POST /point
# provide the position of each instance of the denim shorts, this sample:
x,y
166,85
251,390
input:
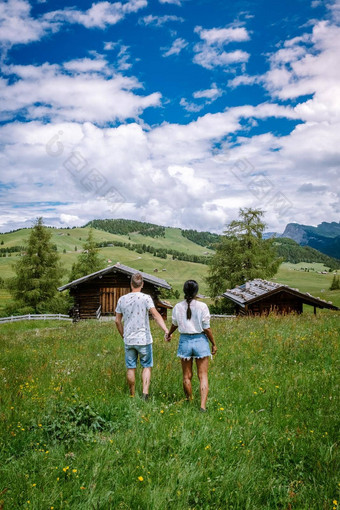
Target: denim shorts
x,y
193,346
143,351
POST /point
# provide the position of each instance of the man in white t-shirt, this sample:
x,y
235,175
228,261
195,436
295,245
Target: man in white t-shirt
x,y
134,309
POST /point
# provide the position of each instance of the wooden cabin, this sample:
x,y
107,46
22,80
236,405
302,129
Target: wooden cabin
x,y
260,297
96,294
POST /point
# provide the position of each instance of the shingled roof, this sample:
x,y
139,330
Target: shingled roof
x,y
158,282
255,290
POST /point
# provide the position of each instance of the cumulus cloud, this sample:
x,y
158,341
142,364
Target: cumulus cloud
x,y
210,94
222,35
159,21
79,90
189,106
99,15
177,46
17,26
206,96
211,53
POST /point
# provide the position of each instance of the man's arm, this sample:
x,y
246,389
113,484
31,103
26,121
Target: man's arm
x,y
209,334
119,324
159,319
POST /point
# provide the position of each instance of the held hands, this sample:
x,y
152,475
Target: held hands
x,y
167,337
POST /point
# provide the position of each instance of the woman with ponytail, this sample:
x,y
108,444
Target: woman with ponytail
x,y
192,318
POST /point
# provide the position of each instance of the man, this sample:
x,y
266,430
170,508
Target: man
x,y
134,308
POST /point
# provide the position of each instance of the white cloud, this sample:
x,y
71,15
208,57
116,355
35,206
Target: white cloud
x,y
79,90
211,94
208,96
211,53
159,21
174,2
209,57
17,26
311,67
190,106
243,79
221,36
177,46
100,14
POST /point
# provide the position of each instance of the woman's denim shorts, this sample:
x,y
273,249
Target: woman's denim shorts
x,y
193,346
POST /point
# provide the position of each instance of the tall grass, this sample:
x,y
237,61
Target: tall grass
x,y
71,437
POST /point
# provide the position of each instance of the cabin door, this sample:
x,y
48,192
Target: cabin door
x,y
109,297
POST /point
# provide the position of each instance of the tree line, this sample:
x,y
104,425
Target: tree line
x,y
157,252
206,239
126,227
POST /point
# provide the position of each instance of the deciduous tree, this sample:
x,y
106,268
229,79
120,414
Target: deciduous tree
x,y
242,254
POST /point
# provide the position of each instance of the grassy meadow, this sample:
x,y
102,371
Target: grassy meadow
x,y
71,437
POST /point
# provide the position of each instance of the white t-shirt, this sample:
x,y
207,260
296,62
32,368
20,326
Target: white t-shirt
x,y
200,317
135,308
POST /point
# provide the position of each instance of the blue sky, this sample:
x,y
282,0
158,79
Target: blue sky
x,y
169,111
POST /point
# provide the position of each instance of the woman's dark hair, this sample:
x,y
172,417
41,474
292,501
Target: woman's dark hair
x,y
190,289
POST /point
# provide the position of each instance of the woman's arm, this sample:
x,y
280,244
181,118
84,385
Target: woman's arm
x,y
173,328
209,334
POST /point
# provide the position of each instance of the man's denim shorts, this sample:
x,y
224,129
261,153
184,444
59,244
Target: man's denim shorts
x,y
193,346
143,351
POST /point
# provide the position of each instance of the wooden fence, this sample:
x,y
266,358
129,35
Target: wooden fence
x,y
36,317
216,316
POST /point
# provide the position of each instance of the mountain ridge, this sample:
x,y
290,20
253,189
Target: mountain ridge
x,y
324,238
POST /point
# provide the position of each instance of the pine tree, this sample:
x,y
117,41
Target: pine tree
x,y
38,271
242,254
89,261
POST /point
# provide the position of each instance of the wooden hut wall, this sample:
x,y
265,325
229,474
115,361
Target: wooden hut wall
x,y
281,303
105,291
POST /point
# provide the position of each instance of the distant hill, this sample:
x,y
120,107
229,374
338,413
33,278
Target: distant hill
x,y
291,251
324,238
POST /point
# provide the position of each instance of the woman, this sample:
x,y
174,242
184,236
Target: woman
x,y
192,318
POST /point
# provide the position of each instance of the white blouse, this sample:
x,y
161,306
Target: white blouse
x,y
200,317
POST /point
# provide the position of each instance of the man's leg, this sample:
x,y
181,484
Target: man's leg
x,y
131,379
146,360
202,372
187,376
146,378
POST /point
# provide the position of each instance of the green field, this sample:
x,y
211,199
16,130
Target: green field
x,y
73,439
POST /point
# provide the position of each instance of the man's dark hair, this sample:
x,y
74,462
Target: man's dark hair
x,y
136,280
190,289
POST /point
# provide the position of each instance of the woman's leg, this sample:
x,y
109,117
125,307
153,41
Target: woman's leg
x,y
202,372
187,376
